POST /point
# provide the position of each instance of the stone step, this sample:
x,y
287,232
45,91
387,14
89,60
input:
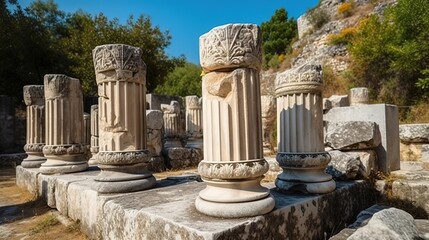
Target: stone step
x,y
168,211
414,165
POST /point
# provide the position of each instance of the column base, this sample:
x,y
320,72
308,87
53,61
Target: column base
x,y
305,187
304,172
236,209
57,166
93,160
122,179
33,161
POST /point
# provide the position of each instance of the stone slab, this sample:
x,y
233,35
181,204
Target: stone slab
x,y
168,211
386,116
414,133
26,178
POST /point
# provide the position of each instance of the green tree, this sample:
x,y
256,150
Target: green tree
x,y
277,34
26,48
390,54
183,81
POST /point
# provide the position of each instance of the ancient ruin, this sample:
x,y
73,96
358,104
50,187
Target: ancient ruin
x,y
194,122
172,131
34,98
94,136
358,96
268,108
122,157
64,149
230,56
301,152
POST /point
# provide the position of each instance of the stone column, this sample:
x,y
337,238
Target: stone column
x,y
94,135
34,98
359,96
301,152
171,124
268,107
64,150
194,122
122,157
233,164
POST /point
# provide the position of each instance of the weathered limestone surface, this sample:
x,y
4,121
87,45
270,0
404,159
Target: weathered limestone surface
x,y
268,108
64,149
7,124
154,101
155,123
181,158
122,157
409,187
34,98
172,133
386,116
352,164
414,133
390,223
233,164
353,135
94,135
148,214
339,101
194,122
301,151
358,96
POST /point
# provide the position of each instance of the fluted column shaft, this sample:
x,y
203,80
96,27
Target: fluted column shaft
x,y
171,116
64,125
268,111
233,164
194,122
122,157
301,152
94,135
35,140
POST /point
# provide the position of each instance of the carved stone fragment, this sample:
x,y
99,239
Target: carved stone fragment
x,y
301,152
194,122
34,98
64,147
122,157
233,164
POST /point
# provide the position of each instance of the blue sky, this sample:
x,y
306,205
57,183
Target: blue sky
x,y
186,20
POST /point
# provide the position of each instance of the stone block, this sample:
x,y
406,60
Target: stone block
x,y
414,133
353,135
27,179
154,119
386,116
389,223
339,101
156,164
154,101
148,215
352,164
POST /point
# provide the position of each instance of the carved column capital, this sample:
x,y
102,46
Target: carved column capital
x,y
231,46
34,95
304,79
119,62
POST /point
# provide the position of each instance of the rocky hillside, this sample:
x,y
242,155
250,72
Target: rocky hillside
x,y
315,29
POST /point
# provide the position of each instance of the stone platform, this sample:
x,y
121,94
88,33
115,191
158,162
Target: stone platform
x,y
168,210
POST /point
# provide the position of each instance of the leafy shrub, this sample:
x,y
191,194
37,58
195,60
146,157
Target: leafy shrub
x,y
345,9
344,37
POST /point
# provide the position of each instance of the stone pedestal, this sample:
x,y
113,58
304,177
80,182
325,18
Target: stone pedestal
x,y
64,150
233,164
94,135
268,107
171,124
34,98
122,157
194,122
301,152
358,96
